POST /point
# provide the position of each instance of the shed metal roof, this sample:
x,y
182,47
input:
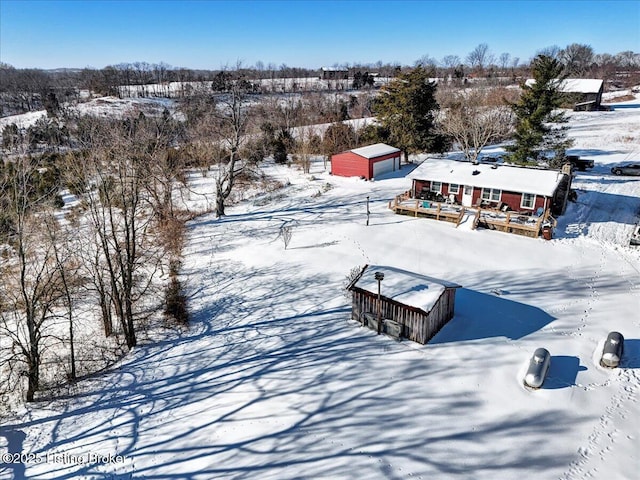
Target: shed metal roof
x,y
576,85
408,288
376,150
504,177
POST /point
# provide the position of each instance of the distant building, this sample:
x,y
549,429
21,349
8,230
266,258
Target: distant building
x,y
334,73
366,162
580,93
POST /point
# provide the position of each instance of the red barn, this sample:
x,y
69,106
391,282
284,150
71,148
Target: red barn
x,y
366,162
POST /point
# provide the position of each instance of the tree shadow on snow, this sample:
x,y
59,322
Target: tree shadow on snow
x,y
591,152
280,387
481,315
563,372
631,354
405,169
624,107
14,439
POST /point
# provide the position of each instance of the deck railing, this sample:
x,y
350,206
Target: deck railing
x,y
511,222
407,205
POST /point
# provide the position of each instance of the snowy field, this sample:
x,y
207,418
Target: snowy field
x,y
274,381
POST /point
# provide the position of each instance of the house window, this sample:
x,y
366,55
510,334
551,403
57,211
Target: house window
x,y
454,188
491,194
528,201
436,187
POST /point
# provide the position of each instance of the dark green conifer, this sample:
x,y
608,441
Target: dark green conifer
x,y
539,125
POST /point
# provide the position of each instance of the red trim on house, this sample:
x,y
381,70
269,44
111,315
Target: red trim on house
x,y
512,199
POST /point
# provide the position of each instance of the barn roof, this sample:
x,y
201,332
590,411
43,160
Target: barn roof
x,y
576,85
502,177
376,150
581,85
408,288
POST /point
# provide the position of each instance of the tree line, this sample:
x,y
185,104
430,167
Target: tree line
x,y
23,90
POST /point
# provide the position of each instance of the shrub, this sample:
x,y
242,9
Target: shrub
x,y
176,302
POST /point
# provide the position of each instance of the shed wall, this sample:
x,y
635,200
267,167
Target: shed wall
x,y
347,164
416,324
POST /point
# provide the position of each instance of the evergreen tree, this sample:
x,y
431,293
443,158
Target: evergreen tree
x,y
406,109
539,123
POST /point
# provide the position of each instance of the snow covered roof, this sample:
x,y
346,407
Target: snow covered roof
x,y
581,85
408,288
576,85
504,177
376,150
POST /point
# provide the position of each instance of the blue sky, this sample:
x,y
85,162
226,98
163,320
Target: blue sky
x,y
214,34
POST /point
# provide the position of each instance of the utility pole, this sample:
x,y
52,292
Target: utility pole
x,y
368,211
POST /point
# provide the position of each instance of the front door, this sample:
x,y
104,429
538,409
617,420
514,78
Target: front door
x,y
467,196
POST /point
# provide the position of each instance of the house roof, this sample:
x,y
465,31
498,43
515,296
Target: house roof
x,y
502,177
576,85
408,288
376,150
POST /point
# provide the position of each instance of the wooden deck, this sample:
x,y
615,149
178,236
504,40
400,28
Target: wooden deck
x,y
405,205
510,222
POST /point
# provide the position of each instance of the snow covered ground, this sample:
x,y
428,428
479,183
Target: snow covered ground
x,y
274,381
102,106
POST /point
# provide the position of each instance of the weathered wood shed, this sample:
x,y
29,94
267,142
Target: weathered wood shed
x,y
366,162
334,73
421,305
579,93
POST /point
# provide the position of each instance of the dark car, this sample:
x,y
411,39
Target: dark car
x,y
628,169
580,163
538,368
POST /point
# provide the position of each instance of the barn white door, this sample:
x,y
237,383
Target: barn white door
x,y
384,166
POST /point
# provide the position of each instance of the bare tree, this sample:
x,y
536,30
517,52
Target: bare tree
x,y
552,51
307,143
450,62
628,59
426,62
505,61
114,175
577,58
218,136
473,120
480,57
67,266
29,283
